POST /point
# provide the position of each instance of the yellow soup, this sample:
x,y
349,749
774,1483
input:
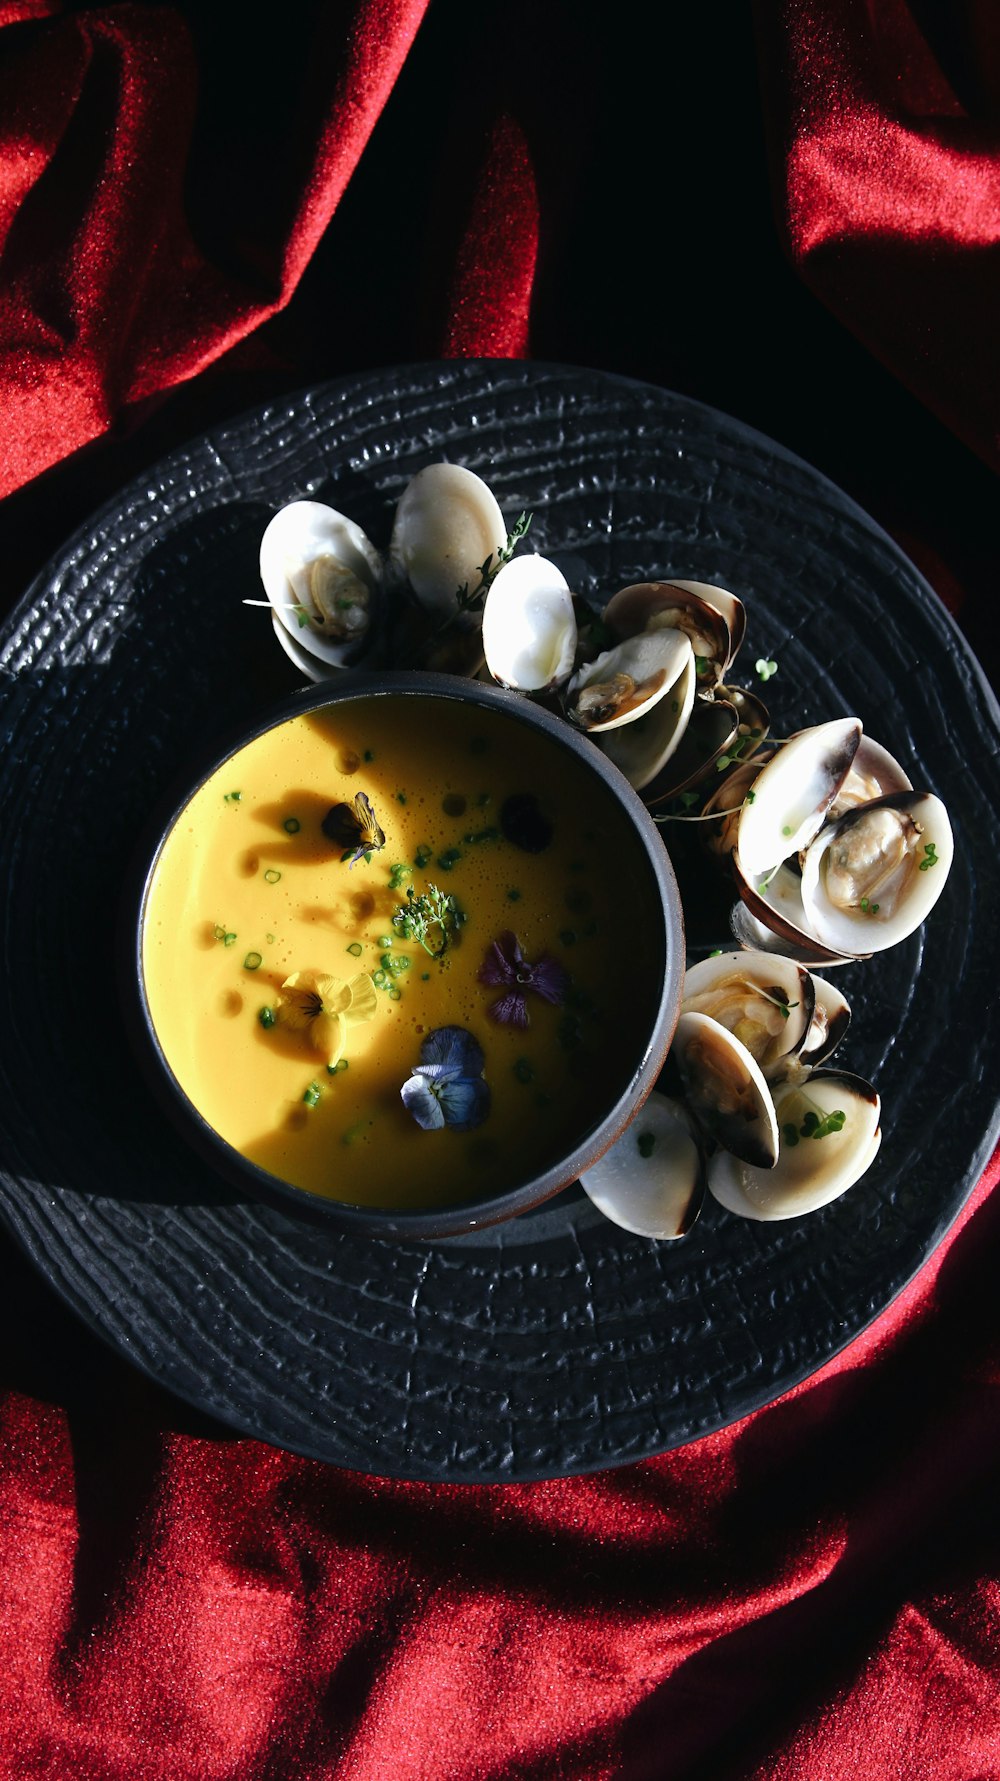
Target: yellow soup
x,y
255,923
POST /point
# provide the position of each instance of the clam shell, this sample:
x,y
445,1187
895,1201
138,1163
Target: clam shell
x,y
771,916
724,1089
892,857
831,1019
647,606
874,773
529,625
766,1001
637,673
301,536
447,524
792,794
641,750
658,1194
811,1172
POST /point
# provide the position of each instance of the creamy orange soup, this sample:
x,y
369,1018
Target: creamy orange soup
x,y
249,891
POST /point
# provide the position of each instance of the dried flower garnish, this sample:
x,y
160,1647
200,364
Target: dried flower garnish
x,y
355,828
505,967
447,1087
324,1008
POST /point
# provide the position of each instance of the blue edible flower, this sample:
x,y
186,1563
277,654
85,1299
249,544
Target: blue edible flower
x,y
447,1087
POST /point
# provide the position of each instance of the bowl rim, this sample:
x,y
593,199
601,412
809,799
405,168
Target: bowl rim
x,y
299,1202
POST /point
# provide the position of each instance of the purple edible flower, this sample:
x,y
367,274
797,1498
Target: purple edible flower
x,y
447,1086
505,967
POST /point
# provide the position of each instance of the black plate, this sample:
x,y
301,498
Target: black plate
x,y
556,1344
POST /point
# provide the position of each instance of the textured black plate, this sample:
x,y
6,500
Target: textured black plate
x,y
556,1344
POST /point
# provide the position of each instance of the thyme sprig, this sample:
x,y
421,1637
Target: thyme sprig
x,y
471,595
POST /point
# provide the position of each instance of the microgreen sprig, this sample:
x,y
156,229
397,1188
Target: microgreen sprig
x,y
419,917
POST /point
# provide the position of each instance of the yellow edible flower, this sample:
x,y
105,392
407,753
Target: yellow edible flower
x,y
324,1008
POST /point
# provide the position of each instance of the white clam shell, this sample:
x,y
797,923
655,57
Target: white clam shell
x,y
299,535
766,1001
901,899
725,1090
813,1171
529,625
793,792
831,1019
656,1195
447,523
653,660
642,749
730,605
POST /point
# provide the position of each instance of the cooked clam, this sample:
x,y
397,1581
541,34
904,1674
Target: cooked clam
x,y
447,525
765,1001
724,1089
323,577
624,683
651,1180
529,625
649,606
873,876
792,794
641,750
830,1135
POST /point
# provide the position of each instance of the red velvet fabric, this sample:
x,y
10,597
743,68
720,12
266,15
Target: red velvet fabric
x,y
813,1594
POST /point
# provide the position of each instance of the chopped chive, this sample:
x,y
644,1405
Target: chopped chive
x,y
271,876
335,1069
369,754
645,1142
400,797
267,1017
355,949
252,962
449,858
394,992
270,939
232,797
425,977
422,854
385,939
513,896
786,830
229,939
291,825
312,1094
380,979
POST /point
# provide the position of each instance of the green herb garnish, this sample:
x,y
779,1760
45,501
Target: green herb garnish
x,y
645,1142
312,1094
252,962
355,949
271,876
429,920
291,825
764,668
930,857
267,1017
231,797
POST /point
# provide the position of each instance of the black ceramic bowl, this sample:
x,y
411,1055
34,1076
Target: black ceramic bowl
x,y
648,930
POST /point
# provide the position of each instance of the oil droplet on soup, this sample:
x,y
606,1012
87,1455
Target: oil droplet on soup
x,y
572,884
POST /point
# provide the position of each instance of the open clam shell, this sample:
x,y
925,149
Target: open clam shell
x,y
651,1181
792,794
624,683
872,877
725,1090
830,1021
874,773
764,1000
323,577
810,1170
447,524
771,917
529,625
642,750
648,606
